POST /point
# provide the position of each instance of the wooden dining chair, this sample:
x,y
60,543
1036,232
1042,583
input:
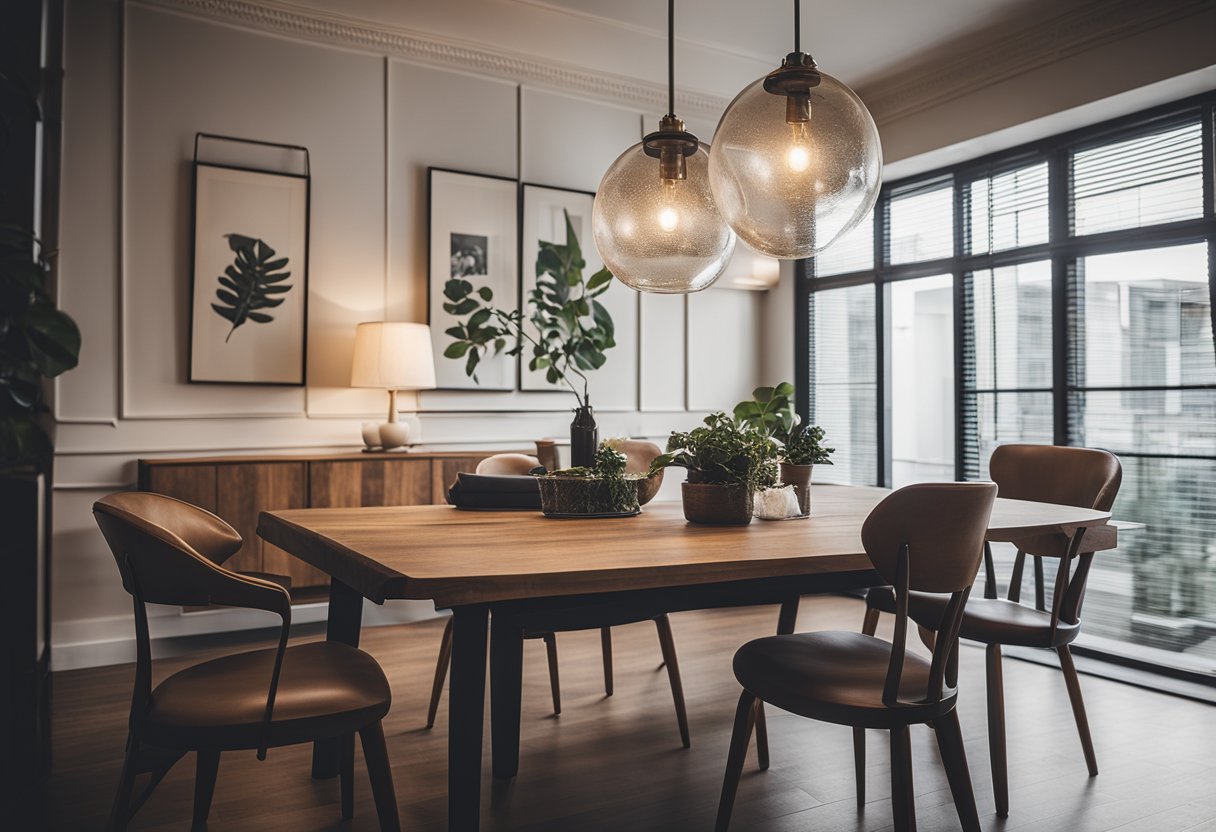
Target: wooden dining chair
x,y
166,552
923,538
1081,477
638,456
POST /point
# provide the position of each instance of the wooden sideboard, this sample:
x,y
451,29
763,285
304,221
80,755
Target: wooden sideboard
x,y
238,488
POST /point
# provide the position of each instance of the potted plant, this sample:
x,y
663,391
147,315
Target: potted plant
x,y
569,333
726,460
771,411
599,490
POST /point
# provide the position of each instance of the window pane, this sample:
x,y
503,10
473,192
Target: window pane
x,y
1147,319
854,252
921,321
1010,326
993,419
922,225
1156,594
843,388
1008,210
1181,422
1142,181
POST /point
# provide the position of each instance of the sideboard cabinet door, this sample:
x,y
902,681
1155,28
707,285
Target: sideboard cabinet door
x,y
246,489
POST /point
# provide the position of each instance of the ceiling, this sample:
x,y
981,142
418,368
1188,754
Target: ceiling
x,y
721,44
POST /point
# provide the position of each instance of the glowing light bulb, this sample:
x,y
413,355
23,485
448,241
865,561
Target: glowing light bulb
x,y
799,156
668,219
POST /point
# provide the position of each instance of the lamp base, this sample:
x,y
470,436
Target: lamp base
x,y
394,435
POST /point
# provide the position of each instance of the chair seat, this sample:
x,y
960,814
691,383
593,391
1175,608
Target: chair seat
x,y
988,620
326,689
836,677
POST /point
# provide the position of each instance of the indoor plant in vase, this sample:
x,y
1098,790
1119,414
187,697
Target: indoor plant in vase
x,y
771,411
601,489
567,329
726,460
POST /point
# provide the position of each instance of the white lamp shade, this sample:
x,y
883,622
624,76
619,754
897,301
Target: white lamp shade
x,y
393,356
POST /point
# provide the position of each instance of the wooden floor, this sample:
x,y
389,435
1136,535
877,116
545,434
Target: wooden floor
x,y
617,764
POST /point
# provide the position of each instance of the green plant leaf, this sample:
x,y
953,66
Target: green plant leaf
x,y
249,281
457,289
487,294
54,339
457,349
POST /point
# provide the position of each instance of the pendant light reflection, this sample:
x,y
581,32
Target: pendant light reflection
x,y
654,219
796,161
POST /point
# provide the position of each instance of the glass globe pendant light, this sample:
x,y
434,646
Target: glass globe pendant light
x,y
655,224
796,161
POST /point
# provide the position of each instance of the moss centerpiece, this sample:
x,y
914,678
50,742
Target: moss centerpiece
x,y
601,490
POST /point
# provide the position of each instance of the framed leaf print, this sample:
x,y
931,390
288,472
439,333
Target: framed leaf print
x,y
249,288
473,262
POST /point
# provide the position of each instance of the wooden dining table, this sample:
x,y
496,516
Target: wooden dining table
x,y
516,570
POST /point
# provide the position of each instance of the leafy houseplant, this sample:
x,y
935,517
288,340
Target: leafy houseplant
x,y
771,410
726,460
601,488
567,329
37,342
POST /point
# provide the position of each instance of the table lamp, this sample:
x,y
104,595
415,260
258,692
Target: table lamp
x,y
393,356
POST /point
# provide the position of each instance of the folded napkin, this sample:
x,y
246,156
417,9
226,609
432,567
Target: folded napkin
x,y
490,492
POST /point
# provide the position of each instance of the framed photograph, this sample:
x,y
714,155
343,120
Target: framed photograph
x,y
249,278
544,210
473,236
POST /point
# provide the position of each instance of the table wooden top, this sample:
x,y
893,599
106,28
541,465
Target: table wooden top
x,y
463,557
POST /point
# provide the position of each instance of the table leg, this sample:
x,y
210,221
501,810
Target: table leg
x,y
345,621
506,680
466,702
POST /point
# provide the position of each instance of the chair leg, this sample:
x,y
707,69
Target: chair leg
x,y
954,760
903,806
859,764
1078,707
761,737
346,772
606,647
120,812
207,765
441,673
996,730
668,645
869,625
745,718
555,684
375,753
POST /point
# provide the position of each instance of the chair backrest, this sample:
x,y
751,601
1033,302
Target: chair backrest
x,y
159,544
507,464
929,538
546,452
943,526
1081,477
639,453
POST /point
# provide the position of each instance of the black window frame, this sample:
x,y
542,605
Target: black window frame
x,y
1062,251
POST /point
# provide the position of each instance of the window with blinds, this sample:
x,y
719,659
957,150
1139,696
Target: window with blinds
x,y
1076,310
1145,180
920,223
854,252
844,382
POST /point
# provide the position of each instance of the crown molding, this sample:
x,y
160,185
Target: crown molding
x,y
291,21
1094,24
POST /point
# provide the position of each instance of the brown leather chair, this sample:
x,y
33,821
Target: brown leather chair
x,y
167,553
1080,477
639,453
923,538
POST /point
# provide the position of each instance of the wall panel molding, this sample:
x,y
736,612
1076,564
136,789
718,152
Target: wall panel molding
x,y
427,48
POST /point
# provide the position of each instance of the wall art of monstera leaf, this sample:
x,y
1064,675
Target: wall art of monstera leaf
x,y
252,283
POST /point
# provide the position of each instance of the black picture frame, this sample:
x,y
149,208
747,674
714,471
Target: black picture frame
x,y
449,372
290,372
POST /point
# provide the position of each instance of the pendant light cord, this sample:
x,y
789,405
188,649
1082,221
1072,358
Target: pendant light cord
x,y
797,25
671,57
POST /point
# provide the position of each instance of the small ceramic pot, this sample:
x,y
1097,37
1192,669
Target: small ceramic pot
x,y
371,434
799,476
721,505
648,487
394,434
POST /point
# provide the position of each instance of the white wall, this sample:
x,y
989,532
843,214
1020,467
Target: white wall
x,y
140,82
